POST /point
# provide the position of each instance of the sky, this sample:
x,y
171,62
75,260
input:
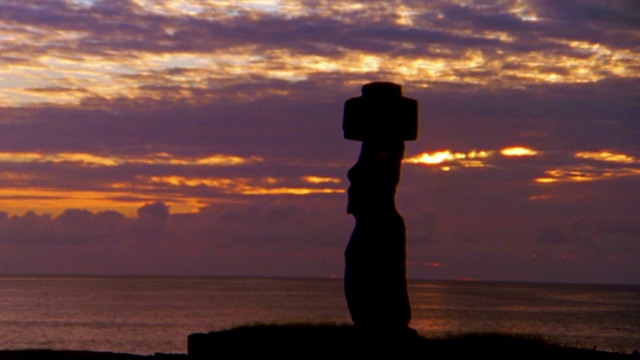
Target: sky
x,y
196,137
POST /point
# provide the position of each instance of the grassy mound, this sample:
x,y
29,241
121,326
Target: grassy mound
x,y
331,341
344,341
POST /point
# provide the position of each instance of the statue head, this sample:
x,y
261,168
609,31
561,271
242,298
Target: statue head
x,y
380,114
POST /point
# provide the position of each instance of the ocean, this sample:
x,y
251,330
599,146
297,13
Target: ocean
x,y
146,315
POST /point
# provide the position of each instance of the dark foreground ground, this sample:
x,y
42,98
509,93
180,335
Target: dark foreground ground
x,y
341,342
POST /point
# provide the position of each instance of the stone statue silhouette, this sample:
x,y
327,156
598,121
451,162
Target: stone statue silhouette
x,y
375,282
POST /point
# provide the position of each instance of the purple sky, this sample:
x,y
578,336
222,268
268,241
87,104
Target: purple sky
x,y
204,138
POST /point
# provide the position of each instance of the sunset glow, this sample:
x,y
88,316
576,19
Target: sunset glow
x,y
46,74
606,156
151,159
435,158
321,180
55,201
585,174
213,130
245,186
518,151
448,158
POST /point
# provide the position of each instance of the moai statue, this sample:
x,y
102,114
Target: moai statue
x,y
375,282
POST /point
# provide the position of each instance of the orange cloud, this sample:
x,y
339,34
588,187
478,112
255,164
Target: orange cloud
x,y
242,186
81,158
518,151
55,201
20,157
589,172
606,155
289,191
320,180
584,174
434,158
149,159
447,159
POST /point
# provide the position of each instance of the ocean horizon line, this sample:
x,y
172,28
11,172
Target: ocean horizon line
x,y
285,277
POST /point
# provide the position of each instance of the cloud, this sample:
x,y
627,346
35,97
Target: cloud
x,y
156,212
151,159
263,222
607,236
142,49
552,236
73,227
218,112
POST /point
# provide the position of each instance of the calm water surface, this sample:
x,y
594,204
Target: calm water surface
x,y
144,315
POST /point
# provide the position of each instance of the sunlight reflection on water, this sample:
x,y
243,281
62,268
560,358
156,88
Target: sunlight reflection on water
x,y
144,315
